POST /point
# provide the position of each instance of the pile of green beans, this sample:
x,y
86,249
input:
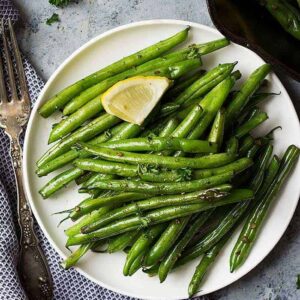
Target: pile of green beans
x,y
178,186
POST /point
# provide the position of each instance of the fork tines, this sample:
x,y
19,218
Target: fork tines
x,y
8,58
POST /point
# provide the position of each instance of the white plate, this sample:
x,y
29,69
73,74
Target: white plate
x,y
104,269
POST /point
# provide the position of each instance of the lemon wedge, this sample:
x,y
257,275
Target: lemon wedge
x,y
134,98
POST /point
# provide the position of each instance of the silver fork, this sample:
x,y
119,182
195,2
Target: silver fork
x,y
14,113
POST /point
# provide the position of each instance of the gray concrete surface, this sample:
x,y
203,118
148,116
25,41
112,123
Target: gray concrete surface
x,y
48,46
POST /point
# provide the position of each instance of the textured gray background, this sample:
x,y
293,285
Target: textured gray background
x,y
48,46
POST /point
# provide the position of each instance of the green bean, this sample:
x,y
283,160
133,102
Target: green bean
x,y
88,205
168,109
246,143
212,223
217,130
162,188
83,178
142,244
236,75
208,161
286,15
182,84
213,237
151,218
212,46
202,268
158,125
204,196
94,193
170,259
85,133
258,144
257,171
236,167
261,167
211,103
166,241
181,114
169,127
120,242
99,247
249,125
72,259
218,214
140,171
94,215
69,124
205,83
152,271
137,264
162,143
255,219
128,131
248,116
133,60
57,162
95,177
60,181
253,150
188,122
260,163
269,176
241,98
172,71
256,99
232,145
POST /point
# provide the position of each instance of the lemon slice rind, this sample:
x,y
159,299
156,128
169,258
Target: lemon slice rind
x,y
133,99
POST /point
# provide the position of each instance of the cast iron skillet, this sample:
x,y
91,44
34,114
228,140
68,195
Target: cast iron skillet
x,y
247,23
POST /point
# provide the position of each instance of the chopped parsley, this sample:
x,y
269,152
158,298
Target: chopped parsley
x,y
53,19
59,3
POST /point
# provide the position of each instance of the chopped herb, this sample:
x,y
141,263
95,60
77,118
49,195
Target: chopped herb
x,y
142,169
108,134
193,53
298,281
147,168
184,174
54,18
59,3
151,135
149,138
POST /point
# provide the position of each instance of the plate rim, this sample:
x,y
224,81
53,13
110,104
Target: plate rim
x,y
39,101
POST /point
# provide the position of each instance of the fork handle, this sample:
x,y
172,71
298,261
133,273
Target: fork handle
x,y
32,265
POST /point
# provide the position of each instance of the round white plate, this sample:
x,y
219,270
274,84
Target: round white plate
x,y
105,269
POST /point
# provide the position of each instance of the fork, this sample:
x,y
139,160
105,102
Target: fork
x,y
14,113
